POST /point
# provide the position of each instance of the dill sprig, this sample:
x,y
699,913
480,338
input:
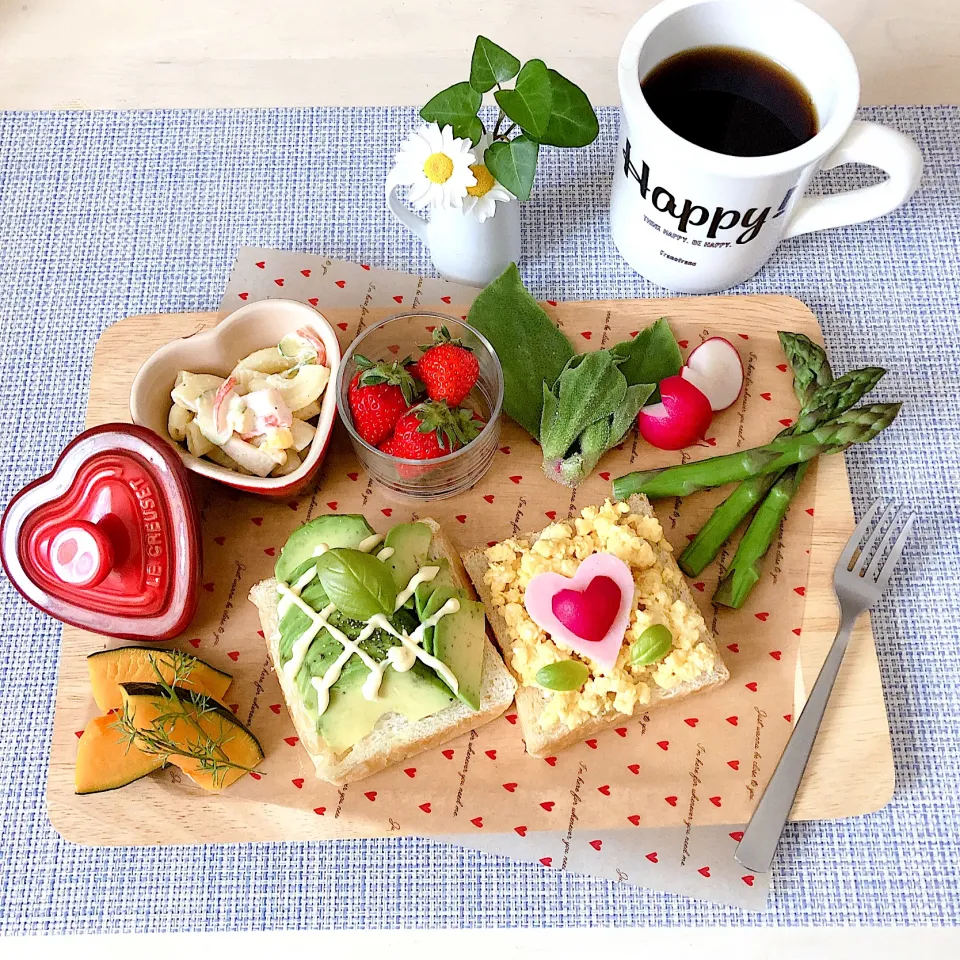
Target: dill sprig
x,y
160,738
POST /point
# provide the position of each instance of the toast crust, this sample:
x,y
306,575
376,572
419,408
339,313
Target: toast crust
x,y
394,738
531,699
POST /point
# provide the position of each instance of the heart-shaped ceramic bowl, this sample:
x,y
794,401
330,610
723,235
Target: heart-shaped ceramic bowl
x,y
252,327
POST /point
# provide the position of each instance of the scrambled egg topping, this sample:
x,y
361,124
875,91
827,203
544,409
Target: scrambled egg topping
x,y
560,548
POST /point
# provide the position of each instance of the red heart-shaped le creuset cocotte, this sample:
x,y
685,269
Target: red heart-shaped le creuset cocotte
x,y
109,540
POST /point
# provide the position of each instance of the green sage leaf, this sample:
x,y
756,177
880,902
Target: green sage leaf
x,y
590,388
651,356
532,351
490,65
528,104
456,106
358,584
626,415
514,164
573,122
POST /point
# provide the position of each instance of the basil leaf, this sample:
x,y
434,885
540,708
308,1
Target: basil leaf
x,y
591,388
490,65
531,349
456,106
573,122
651,356
514,164
528,104
356,583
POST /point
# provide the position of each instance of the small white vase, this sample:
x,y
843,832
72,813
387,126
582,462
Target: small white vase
x,y
463,249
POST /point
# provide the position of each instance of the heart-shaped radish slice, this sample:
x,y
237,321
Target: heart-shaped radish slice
x,y
681,417
716,370
562,606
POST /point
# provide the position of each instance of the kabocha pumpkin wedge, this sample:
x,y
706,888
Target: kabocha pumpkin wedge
x,y
110,668
189,729
107,760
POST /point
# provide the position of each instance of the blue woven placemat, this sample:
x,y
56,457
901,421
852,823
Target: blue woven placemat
x,y
103,215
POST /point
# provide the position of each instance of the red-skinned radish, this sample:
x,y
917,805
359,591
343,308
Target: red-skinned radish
x,y
680,418
716,370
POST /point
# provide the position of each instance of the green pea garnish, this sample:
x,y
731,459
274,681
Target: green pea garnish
x,y
564,675
652,645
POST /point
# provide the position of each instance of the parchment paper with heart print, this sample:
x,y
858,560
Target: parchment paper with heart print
x,y
696,764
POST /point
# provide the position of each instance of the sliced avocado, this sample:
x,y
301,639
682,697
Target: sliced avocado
x,y
459,642
335,530
349,716
410,542
444,578
437,599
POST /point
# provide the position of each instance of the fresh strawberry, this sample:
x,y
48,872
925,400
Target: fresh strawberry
x,y
448,369
431,429
380,394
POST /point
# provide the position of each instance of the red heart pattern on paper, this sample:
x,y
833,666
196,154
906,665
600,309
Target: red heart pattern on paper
x,y
692,721
319,811
547,805
596,844
704,871
492,754
411,772
550,761
716,801
425,807
341,283
663,744
652,857
511,718
620,731
510,787
776,654
591,743
737,835
733,647
762,616
671,800
751,686
298,783
275,707
292,741
371,795
733,764
634,768
546,861
733,721
520,830
448,754
634,818
234,655
477,822
748,879
605,789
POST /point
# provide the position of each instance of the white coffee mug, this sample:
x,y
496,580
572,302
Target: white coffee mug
x,y
697,221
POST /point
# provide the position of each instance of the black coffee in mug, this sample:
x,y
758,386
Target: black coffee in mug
x,y
731,101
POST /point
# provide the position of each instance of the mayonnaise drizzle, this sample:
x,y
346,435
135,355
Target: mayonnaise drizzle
x,y
401,658
423,575
385,554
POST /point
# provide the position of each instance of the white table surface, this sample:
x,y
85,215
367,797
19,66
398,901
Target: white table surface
x,y
118,54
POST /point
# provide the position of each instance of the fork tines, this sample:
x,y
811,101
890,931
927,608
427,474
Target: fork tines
x,y
869,554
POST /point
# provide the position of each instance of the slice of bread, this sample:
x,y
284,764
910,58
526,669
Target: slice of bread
x,y
394,738
531,699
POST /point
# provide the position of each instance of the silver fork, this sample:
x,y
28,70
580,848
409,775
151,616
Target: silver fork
x,y
860,577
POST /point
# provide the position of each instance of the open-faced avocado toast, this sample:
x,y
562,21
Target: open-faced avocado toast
x,y
379,643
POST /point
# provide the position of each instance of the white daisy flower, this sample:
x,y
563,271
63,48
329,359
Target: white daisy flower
x,y
436,166
482,197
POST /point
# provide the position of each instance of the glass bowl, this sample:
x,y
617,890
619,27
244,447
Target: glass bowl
x,y
400,336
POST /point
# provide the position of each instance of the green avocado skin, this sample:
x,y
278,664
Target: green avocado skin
x,y
336,530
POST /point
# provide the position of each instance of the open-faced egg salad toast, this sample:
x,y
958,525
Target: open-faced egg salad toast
x,y
595,621
379,643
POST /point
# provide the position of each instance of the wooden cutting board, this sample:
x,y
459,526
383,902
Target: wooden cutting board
x,y
850,773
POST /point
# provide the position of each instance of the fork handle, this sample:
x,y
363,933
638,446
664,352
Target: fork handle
x,y
755,851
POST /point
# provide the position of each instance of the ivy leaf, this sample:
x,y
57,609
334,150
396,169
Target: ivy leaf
x,y
456,106
490,65
528,104
514,164
572,120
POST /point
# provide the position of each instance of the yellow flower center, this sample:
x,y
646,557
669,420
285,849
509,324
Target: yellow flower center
x,y
485,180
438,168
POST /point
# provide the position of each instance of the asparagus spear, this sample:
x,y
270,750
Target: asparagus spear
x,y
744,572
824,404
809,364
855,426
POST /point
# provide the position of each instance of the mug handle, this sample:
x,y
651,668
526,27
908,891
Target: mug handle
x,y
875,145
409,219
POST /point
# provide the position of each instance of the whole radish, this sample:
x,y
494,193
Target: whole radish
x,y
680,418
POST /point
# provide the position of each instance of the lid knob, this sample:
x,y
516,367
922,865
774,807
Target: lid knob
x,y
81,554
